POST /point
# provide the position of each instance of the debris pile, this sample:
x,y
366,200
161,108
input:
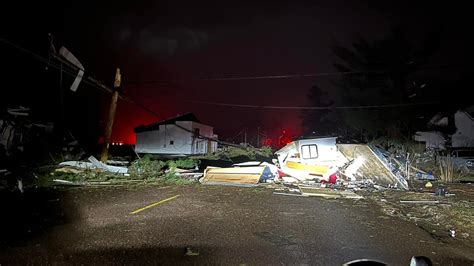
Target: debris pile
x,y
319,166
142,170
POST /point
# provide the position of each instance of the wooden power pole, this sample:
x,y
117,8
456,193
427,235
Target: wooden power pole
x,y
110,121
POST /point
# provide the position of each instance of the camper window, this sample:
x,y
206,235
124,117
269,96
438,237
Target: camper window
x,y
309,151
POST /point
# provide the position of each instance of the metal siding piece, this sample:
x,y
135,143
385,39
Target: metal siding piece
x,y
77,81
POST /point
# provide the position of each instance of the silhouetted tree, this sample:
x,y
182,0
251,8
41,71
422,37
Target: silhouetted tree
x,y
381,72
318,121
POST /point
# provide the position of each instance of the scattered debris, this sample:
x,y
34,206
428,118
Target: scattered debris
x,y
65,182
118,163
452,233
440,192
419,201
290,194
421,175
328,193
93,164
109,168
190,252
289,179
366,162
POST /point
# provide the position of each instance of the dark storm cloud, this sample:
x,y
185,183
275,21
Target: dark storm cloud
x,y
153,40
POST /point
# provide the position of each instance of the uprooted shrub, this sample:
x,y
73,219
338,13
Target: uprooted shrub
x,y
148,168
186,163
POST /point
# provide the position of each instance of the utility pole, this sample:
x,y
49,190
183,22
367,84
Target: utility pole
x,y
245,136
110,121
258,137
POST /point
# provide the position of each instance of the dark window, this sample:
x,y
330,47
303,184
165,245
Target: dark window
x,y
309,151
171,142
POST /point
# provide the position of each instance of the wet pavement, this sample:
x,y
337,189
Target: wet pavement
x,y
210,225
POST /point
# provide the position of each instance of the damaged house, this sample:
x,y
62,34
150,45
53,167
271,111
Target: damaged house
x,y
180,135
462,137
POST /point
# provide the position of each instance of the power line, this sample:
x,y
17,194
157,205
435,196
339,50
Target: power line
x,y
92,82
289,76
286,76
313,107
87,80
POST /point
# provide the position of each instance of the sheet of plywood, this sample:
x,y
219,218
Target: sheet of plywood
x,y
235,175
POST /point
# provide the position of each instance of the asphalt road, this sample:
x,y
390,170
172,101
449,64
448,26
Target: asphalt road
x,y
216,225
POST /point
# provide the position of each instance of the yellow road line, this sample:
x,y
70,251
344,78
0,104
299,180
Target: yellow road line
x,y
153,205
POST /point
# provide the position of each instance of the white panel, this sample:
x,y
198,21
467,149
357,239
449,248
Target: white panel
x,y
313,151
305,153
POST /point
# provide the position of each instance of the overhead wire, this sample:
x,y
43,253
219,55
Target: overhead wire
x,y
313,107
290,75
94,83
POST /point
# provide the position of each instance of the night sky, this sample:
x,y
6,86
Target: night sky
x,y
166,48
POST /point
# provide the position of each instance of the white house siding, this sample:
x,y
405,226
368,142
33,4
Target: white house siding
x,y
159,141
200,146
184,142
464,135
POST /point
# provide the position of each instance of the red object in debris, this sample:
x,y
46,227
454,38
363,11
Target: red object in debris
x,y
281,174
332,179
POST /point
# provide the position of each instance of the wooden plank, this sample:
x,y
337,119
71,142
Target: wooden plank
x,y
237,175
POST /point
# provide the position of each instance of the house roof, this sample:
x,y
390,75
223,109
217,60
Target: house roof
x,y
155,126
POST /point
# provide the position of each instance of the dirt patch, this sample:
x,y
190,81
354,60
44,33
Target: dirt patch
x,y
451,218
